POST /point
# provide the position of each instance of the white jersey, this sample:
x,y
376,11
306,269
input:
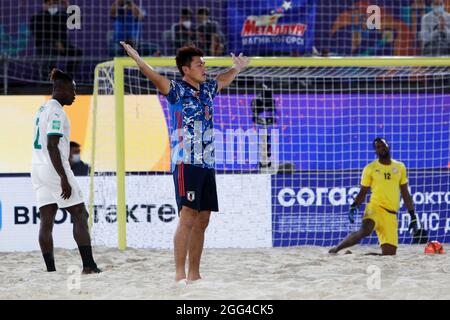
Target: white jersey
x,y
51,120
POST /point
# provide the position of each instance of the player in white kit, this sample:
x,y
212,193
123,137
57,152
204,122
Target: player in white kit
x,y
51,176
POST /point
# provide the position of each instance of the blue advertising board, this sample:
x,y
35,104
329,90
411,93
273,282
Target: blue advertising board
x,y
311,208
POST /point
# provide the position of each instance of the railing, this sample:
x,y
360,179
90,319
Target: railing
x,y
6,61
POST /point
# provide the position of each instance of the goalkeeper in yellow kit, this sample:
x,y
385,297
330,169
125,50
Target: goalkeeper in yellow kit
x,y
386,177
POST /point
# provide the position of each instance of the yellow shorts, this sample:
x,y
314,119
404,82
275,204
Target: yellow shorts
x,y
386,225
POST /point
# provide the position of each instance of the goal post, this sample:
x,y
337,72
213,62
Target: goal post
x,y
114,72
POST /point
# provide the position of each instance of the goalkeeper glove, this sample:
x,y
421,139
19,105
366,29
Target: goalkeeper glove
x,y
413,225
352,213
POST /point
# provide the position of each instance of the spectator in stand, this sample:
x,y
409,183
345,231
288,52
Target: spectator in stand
x,y
209,36
49,29
435,31
217,45
127,17
78,167
182,32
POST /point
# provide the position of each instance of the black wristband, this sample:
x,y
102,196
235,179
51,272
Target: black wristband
x,y
354,205
412,213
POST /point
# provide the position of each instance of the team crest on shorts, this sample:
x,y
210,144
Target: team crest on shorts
x,y
190,195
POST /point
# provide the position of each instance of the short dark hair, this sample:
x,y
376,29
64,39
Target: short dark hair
x,y
186,12
379,139
73,144
203,11
185,55
60,78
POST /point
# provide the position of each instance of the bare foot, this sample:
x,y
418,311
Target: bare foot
x,y
179,277
333,250
90,270
194,278
182,283
348,252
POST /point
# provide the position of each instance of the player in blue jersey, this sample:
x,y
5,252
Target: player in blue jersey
x,y
191,110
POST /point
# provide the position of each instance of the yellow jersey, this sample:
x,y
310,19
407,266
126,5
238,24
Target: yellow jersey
x,y
385,181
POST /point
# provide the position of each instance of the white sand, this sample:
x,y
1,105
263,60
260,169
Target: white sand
x,y
276,273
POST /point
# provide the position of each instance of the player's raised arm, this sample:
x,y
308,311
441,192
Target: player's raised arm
x,y
239,63
160,82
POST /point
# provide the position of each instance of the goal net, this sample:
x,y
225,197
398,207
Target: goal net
x,y
89,32
292,137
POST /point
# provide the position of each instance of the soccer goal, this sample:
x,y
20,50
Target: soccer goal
x,y
292,137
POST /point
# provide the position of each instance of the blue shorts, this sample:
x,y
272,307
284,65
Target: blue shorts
x,y
195,187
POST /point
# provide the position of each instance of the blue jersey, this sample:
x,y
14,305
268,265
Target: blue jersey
x,y
191,111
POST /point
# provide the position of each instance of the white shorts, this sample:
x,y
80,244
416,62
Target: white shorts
x,y
47,185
